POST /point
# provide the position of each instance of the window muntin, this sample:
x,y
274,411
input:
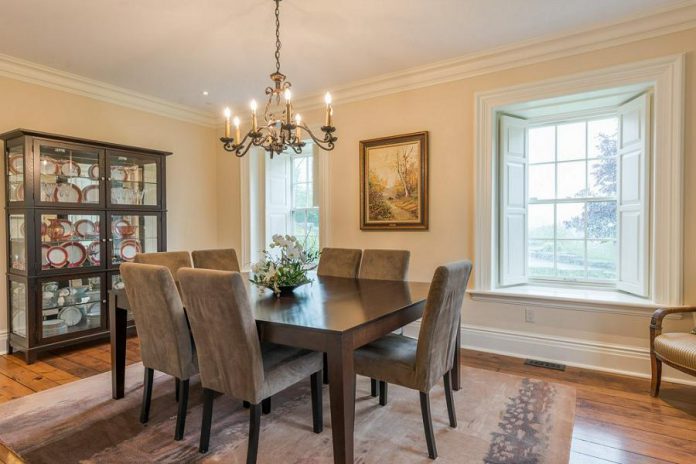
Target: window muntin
x,y
572,203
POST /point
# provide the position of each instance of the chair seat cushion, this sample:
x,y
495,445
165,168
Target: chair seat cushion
x,y
284,366
677,348
391,358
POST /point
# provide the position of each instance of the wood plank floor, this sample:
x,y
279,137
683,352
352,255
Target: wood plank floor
x,y
616,419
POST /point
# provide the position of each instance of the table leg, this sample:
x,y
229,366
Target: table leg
x,y
117,329
457,368
341,381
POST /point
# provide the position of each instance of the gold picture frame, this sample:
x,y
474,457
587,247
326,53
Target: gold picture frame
x,y
394,182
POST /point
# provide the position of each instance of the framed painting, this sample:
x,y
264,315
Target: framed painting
x,y
394,182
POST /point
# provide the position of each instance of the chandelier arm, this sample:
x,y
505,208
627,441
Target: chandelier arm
x,y
327,143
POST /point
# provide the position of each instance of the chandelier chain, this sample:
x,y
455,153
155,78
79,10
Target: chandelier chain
x,y
278,44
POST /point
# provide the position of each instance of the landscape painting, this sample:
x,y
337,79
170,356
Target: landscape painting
x,y
394,182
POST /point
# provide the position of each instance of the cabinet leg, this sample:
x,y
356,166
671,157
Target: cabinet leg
x,y
30,357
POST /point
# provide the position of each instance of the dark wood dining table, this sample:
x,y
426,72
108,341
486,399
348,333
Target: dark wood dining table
x,y
331,315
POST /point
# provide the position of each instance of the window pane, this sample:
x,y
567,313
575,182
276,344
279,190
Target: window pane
x,y
571,141
540,260
313,220
601,137
299,169
540,221
310,169
601,219
542,144
571,180
541,181
302,195
602,177
299,219
570,220
570,259
601,259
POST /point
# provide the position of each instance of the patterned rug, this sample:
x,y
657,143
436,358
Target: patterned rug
x,y
503,419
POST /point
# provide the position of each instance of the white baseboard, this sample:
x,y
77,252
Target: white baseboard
x,y
3,342
587,354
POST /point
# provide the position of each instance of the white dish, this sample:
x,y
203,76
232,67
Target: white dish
x,y
71,315
67,193
77,254
85,228
57,256
90,194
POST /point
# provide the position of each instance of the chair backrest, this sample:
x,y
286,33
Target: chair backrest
x,y
165,340
220,260
224,329
384,264
172,260
436,340
339,262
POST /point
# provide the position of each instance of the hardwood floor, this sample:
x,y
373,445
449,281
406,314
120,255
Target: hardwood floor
x,y
616,420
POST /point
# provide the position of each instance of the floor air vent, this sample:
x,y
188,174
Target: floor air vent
x,y
545,364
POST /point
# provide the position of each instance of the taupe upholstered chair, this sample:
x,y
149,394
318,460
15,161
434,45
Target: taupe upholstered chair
x,y
221,260
419,364
232,360
339,262
172,260
165,339
677,349
384,265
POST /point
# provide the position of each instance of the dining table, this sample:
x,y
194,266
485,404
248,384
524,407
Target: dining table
x,y
332,315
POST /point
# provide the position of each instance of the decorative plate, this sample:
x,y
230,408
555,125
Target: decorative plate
x,y
85,228
15,163
57,256
93,172
94,253
119,173
93,310
90,194
44,257
53,327
129,248
68,228
21,229
71,315
19,191
67,193
70,168
77,254
123,229
49,167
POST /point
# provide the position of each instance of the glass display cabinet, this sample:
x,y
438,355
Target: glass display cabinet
x,y
75,210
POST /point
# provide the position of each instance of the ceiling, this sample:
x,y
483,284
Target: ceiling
x,y
176,49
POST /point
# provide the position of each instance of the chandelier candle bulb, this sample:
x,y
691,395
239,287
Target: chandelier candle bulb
x,y
288,109
228,115
254,123
236,125
298,129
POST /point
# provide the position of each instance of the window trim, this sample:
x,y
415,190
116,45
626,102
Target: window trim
x,y
666,76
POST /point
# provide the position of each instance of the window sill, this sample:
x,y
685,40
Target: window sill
x,y
577,299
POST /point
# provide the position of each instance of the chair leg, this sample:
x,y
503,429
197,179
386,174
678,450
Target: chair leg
x,y
317,405
254,432
208,396
147,395
266,405
449,397
374,388
428,424
181,414
325,370
383,393
656,367
177,387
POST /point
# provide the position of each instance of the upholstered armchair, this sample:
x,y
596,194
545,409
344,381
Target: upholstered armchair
x,y
676,349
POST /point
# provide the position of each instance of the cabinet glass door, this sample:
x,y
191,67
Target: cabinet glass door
x,y
18,243
70,305
18,308
14,167
132,233
69,174
70,240
133,180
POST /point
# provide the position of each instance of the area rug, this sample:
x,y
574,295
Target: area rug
x,y
503,419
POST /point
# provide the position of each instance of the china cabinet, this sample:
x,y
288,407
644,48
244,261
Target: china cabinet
x,y
75,210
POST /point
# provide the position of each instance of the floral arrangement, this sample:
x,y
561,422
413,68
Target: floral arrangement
x,y
286,267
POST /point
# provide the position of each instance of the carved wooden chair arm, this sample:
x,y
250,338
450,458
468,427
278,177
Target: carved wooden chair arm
x,y
659,315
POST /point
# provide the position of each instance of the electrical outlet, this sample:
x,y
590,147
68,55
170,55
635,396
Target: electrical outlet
x,y
529,315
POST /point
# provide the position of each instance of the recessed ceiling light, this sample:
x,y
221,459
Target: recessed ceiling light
x,y
205,93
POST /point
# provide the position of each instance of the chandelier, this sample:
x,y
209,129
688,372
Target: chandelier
x,y
282,129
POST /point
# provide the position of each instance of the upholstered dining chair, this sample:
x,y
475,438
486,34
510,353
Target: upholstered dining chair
x,y
232,359
384,265
339,262
172,260
165,339
676,349
419,364
221,260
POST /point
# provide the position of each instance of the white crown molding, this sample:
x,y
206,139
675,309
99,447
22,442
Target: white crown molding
x,y
664,21
26,71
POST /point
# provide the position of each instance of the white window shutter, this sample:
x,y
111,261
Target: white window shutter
x,y
633,196
513,200
278,195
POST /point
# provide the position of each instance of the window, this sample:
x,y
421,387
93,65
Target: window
x,y
574,198
304,212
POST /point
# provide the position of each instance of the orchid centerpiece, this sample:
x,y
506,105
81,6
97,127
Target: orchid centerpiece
x,y
285,267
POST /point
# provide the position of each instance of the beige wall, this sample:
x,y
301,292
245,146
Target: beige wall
x,y
191,171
